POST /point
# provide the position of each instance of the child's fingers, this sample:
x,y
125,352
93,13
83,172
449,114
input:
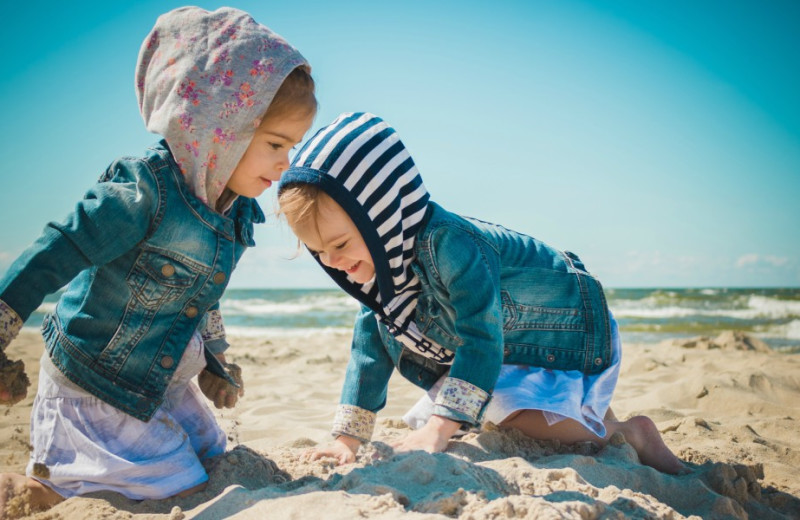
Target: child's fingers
x,y
231,396
219,398
226,396
8,399
235,372
5,394
311,454
316,454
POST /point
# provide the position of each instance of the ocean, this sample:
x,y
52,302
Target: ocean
x,y
644,315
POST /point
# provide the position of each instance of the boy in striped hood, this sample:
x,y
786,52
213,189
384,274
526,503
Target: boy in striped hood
x,y
496,325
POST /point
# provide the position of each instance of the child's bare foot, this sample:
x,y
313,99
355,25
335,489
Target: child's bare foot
x,y
642,434
20,495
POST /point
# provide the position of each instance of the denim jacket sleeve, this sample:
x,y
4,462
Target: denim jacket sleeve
x,y
212,331
366,380
10,325
113,216
468,270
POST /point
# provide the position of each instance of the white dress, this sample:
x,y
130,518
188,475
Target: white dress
x,y
560,394
82,444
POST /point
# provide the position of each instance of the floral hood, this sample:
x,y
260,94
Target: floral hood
x,y
203,81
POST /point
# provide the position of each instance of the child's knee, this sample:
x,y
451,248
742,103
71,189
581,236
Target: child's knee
x,y
639,429
644,424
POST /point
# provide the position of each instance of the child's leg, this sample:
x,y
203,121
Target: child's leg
x,y
39,496
640,432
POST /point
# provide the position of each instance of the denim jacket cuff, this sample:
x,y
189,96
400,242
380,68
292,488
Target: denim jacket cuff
x,y
464,400
10,324
213,333
354,421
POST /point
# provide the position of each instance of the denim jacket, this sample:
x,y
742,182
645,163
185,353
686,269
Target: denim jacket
x,y
146,262
492,296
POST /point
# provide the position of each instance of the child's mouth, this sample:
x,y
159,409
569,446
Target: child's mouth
x,y
353,268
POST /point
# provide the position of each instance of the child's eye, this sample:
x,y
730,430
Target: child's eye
x,y
341,246
276,146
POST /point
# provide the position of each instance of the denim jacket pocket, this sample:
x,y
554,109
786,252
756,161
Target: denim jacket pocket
x,y
156,278
435,323
419,370
157,282
536,316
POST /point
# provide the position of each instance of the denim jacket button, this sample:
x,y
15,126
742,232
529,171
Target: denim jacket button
x,y
598,361
506,352
191,312
550,358
167,270
219,278
167,362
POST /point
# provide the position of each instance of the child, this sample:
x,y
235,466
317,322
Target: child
x,y
498,325
148,253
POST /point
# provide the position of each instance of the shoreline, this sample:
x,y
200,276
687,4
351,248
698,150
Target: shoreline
x,y
730,414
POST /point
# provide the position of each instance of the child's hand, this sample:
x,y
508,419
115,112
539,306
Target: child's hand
x,y
343,449
433,437
7,398
13,381
218,390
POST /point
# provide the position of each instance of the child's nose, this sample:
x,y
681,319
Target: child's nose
x,y
328,259
283,163
337,261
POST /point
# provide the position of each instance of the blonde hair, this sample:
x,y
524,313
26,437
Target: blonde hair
x,y
299,203
295,96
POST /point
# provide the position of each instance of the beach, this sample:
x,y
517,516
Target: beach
x,y
728,405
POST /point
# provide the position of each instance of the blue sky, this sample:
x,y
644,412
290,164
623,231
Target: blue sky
x,y
659,140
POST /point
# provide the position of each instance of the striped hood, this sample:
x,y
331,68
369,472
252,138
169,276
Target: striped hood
x,y
360,162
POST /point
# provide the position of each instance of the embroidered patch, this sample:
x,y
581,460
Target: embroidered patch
x,y
354,421
10,324
462,397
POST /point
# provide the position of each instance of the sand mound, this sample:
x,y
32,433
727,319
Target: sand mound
x,y
727,340
729,412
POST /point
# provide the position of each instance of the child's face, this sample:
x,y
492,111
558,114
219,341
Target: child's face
x,y
267,156
335,239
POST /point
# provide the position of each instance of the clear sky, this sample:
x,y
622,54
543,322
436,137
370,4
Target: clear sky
x,y
659,140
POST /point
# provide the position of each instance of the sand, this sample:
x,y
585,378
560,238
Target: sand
x,y
726,406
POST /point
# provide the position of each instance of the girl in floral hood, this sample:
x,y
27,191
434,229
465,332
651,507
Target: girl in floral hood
x,y
147,255
496,325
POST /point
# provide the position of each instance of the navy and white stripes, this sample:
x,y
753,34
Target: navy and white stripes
x,y
361,163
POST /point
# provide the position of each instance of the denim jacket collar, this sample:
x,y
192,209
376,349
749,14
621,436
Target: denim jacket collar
x,y
242,210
